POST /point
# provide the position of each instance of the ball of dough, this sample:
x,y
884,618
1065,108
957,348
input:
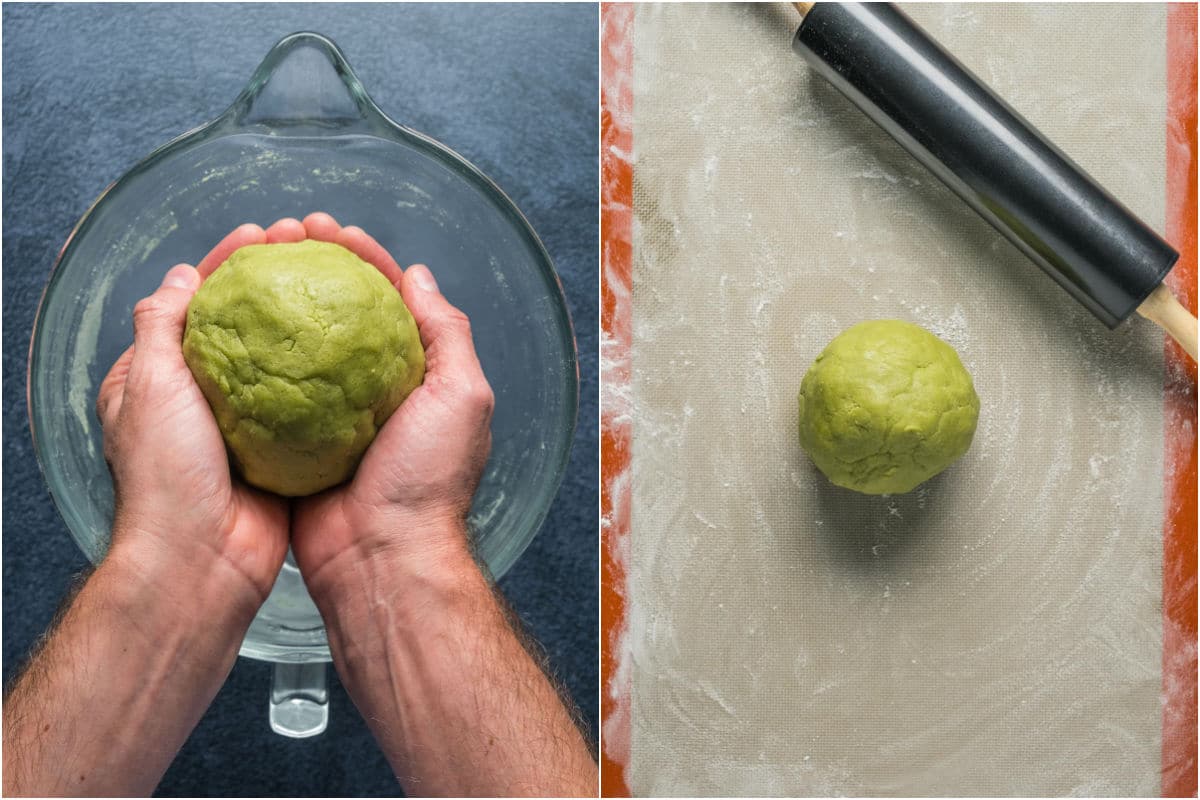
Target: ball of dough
x,y
303,351
886,406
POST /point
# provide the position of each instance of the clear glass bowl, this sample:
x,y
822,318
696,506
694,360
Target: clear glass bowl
x,y
304,136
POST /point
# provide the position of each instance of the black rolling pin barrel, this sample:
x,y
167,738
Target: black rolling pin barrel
x,y
988,154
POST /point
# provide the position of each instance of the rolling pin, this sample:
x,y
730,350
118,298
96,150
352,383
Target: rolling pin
x,y
991,157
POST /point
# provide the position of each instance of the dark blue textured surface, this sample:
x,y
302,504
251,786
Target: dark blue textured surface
x,y
90,89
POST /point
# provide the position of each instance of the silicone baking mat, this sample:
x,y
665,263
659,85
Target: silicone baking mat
x,y
1020,624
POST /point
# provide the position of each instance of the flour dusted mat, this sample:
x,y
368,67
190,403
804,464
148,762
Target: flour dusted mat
x,y
996,632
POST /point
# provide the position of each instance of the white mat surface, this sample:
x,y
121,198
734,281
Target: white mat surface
x,y
996,632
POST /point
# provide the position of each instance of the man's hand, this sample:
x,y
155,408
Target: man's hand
x,y
136,659
425,648
181,518
410,496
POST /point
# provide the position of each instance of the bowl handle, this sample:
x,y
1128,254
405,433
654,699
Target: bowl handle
x,y
299,704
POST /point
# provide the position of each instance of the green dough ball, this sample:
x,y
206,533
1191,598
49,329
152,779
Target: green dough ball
x,y
886,406
303,351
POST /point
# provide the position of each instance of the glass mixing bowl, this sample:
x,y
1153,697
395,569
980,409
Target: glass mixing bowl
x,y
304,136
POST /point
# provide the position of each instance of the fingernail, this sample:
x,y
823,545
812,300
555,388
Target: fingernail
x,y
424,278
179,277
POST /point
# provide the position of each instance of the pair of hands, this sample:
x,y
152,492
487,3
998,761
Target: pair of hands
x,y
178,505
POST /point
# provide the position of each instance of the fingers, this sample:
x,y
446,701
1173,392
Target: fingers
x,y
445,334
286,230
112,389
159,319
322,227
242,235
319,226
359,242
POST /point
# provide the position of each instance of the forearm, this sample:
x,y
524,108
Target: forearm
x,y
110,698
456,702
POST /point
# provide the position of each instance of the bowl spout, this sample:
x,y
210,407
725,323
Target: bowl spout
x,y
304,87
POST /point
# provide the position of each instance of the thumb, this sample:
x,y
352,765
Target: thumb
x,y
445,330
159,319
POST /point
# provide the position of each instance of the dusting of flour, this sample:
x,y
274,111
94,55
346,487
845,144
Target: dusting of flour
x,y
995,632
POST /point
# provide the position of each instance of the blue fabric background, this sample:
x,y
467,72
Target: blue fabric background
x,y
90,89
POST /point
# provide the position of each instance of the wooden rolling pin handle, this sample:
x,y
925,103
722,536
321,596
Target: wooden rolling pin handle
x,y
1164,310
803,8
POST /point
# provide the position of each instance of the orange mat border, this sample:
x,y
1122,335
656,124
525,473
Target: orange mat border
x,y
616,427
1179,744
1179,739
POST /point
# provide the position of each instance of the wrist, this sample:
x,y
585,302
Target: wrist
x,y
411,583
166,591
398,547
387,616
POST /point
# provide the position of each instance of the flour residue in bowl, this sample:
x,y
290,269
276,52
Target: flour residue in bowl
x,y
130,253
